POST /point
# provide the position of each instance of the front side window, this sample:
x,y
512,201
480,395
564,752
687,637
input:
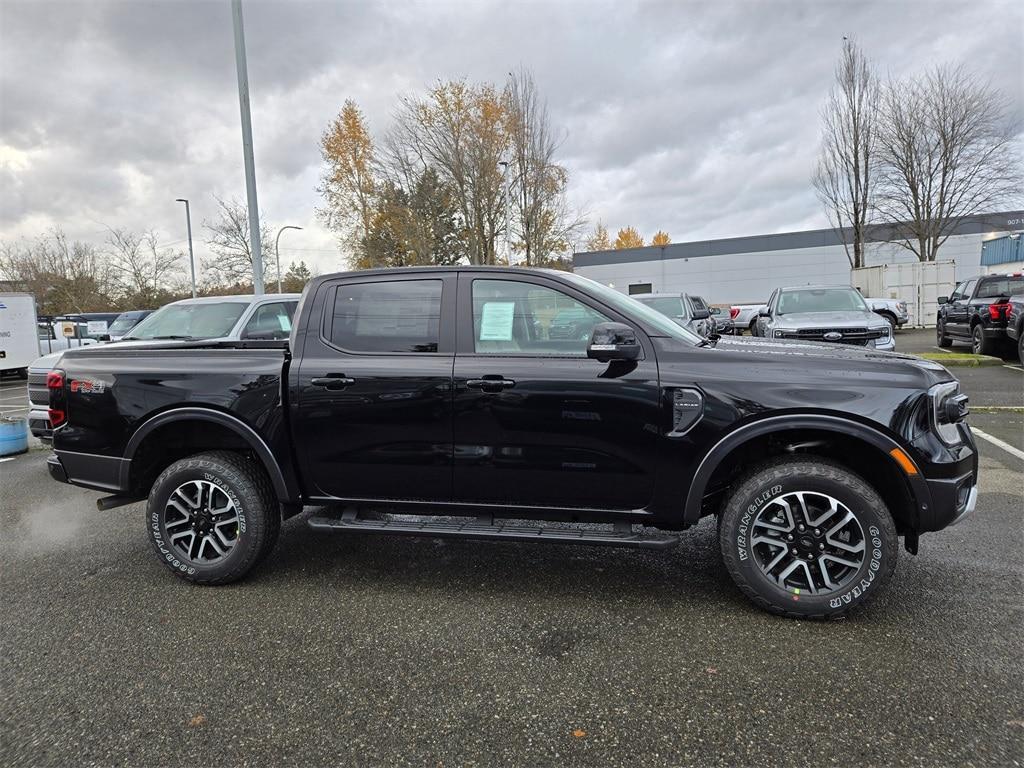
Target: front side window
x,y
511,317
270,321
968,289
957,292
387,316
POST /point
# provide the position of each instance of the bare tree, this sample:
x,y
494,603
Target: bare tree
x,y
538,183
846,162
229,240
947,152
140,266
64,276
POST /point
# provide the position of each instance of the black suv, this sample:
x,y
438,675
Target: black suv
x,y
977,311
443,393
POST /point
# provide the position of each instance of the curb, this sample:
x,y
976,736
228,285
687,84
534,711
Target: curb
x,y
963,361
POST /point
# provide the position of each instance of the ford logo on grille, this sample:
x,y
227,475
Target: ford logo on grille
x,y
833,336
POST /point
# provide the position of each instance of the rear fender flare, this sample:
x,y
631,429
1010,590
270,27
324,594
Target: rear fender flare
x,y
248,434
916,484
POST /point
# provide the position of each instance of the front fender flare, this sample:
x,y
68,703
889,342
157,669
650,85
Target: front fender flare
x,y
258,445
916,484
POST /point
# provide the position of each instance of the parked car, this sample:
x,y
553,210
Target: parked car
x,y
976,312
436,392
744,317
690,312
833,314
60,332
893,310
723,322
573,323
125,322
225,318
1015,324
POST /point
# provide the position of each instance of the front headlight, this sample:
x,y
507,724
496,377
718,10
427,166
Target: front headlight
x,y
777,333
949,408
886,331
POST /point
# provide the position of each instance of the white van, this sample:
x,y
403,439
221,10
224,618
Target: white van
x,y
19,345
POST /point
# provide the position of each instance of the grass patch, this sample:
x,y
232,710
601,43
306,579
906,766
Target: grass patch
x,y
961,359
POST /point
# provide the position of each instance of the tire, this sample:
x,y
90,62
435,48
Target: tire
x,y
1020,347
753,327
979,344
211,481
940,335
760,499
891,318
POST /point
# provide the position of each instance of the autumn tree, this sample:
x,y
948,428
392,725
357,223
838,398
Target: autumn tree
x,y
847,162
628,237
542,223
348,183
232,264
661,238
947,152
599,239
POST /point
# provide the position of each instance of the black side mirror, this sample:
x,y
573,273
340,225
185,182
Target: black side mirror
x,y
701,314
763,312
943,299
613,341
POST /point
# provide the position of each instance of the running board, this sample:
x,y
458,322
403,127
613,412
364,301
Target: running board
x,y
477,528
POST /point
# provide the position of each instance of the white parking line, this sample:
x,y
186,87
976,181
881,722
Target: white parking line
x,y
1014,367
9,458
999,443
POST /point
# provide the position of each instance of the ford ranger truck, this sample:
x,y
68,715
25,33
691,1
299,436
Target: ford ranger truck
x,y
435,402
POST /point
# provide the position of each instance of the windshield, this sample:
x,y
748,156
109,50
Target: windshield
x,y
670,306
123,324
628,305
191,321
821,300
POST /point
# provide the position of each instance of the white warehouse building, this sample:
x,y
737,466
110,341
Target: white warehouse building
x,y
745,270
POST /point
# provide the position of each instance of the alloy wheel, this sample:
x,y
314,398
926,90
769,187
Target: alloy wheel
x,y
201,522
808,541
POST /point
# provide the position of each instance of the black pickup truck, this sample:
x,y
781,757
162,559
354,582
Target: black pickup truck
x,y
978,313
435,400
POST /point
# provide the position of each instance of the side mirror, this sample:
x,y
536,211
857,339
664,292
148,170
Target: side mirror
x,y
876,307
763,312
613,341
701,314
943,299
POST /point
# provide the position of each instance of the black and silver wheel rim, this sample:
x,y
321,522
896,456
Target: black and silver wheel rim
x,y
938,333
808,542
201,522
976,346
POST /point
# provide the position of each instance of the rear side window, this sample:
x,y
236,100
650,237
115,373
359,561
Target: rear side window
x,y
387,316
270,321
994,287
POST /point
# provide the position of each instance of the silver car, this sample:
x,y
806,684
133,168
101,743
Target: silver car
x,y
834,314
691,312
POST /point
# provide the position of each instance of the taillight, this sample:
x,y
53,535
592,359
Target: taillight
x,y
55,386
733,312
997,311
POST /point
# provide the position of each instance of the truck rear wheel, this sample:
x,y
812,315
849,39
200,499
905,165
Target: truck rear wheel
x,y
806,538
212,517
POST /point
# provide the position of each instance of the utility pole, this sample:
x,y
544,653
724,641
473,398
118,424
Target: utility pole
x,y
277,252
191,255
250,166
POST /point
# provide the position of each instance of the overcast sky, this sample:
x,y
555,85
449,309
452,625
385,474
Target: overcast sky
x,y
700,118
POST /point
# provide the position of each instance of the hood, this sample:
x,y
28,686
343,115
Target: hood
x,y
842,319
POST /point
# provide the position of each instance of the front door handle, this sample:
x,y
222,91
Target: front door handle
x,y
332,382
490,383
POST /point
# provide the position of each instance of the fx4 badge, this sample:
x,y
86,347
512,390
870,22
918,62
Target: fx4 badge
x,y
88,386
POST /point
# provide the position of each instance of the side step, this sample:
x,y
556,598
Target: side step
x,y
477,528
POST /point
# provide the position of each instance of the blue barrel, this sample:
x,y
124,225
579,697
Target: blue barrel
x,y
13,435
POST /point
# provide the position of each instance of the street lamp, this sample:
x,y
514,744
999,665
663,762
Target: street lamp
x,y
191,255
277,253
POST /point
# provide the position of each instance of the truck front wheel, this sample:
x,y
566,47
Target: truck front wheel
x,y
804,537
212,517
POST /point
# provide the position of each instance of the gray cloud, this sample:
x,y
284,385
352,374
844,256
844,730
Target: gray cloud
x,y
697,118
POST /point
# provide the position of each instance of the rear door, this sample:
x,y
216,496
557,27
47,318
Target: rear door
x,y
537,423
372,417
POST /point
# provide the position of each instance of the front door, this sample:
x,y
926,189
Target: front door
x,y
373,413
536,422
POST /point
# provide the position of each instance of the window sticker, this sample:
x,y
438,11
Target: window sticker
x,y
496,321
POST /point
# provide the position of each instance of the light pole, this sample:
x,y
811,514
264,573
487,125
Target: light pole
x,y
277,252
250,165
191,255
508,221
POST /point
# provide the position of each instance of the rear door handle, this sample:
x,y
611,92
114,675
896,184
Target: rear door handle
x,y
490,383
332,381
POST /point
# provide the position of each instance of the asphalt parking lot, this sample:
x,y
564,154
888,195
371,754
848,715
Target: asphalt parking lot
x,y
393,651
